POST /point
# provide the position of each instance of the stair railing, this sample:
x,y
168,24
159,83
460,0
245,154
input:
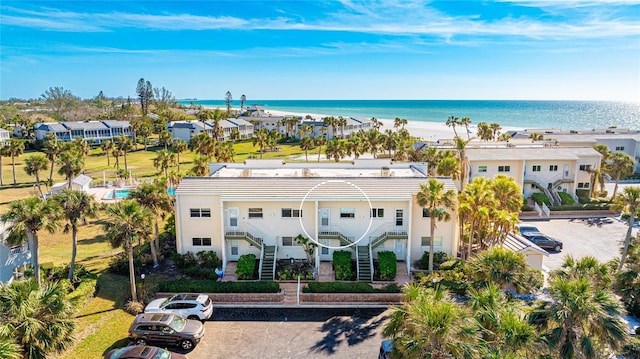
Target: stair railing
x,y
261,262
370,262
275,255
357,265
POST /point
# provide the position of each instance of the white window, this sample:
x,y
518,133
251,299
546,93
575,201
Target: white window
x,y
289,242
553,168
291,213
200,212
482,169
255,212
619,148
504,168
584,185
15,249
437,241
536,168
377,212
201,241
585,167
347,213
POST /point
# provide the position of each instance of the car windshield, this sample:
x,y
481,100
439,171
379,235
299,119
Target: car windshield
x,y
177,323
162,354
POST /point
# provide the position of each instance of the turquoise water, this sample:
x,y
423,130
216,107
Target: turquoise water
x,y
520,114
124,193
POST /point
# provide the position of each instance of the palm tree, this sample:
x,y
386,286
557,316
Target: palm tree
x,y
399,123
336,149
39,319
178,147
203,144
261,138
373,141
52,147
475,203
27,217
9,349
124,227
466,121
306,143
431,325
461,146
77,207
33,165
501,267
332,122
580,320
243,101
272,138
621,165
107,147
124,145
390,141
4,152
165,138
164,159
452,122
71,163
16,148
484,131
145,131
81,146
342,122
629,202
319,141
116,152
200,166
436,201
154,197
495,130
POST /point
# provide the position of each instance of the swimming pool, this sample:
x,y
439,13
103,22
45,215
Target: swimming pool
x,y
124,193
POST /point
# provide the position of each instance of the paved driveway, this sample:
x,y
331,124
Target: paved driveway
x,y
583,238
292,333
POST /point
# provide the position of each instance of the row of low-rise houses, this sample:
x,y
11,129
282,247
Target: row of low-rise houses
x,y
94,132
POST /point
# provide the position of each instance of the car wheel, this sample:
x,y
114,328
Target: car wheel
x,y
557,248
140,341
193,317
186,344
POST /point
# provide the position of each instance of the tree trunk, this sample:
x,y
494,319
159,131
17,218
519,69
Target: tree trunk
x,y
178,157
51,170
36,255
38,184
1,181
306,156
627,239
132,273
615,188
74,248
126,168
13,167
154,254
108,161
431,243
145,143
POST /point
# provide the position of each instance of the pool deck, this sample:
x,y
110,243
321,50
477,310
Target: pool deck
x,y
100,193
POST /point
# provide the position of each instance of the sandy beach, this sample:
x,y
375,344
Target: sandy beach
x,y
428,131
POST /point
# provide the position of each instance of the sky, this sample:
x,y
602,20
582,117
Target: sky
x,y
324,49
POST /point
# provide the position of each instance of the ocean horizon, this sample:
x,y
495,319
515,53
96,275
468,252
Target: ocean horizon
x,y
525,114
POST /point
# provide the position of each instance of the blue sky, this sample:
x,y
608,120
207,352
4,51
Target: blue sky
x,y
525,49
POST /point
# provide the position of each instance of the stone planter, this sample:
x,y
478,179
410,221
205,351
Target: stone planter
x,y
376,298
240,297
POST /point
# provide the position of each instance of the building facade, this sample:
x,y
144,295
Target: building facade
x,y
94,132
14,259
260,206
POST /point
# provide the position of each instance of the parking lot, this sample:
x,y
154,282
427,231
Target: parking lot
x,y
583,237
292,333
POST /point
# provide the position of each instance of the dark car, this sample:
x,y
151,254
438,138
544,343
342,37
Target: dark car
x,y
142,352
543,241
166,329
527,228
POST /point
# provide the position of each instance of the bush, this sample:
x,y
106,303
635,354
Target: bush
x,y
583,195
540,198
566,198
246,266
338,287
184,261
387,265
342,265
134,308
438,259
201,273
451,264
208,259
389,288
632,348
206,286
119,264
85,291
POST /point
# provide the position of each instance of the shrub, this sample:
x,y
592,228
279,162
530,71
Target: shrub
x,y
387,265
207,286
201,273
438,259
134,308
338,287
208,259
566,198
540,198
85,291
246,266
632,348
451,264
184,261
119,264
342,265
389,288
583,195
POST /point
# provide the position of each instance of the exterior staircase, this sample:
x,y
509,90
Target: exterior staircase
x,y
253,239
344,240
268,263
364,264
380,239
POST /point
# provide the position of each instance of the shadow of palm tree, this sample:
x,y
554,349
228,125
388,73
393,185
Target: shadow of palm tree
x,y
352,330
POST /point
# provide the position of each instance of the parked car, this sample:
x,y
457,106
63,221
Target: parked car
x,y
142,352
386,347
187,305
543,241
526,228
166,329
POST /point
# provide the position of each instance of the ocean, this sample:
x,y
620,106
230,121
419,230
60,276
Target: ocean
x,y
578,115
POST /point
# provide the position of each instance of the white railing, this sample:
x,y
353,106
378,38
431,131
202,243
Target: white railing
x,y
546,210
370,262
275,256
261,263
537,208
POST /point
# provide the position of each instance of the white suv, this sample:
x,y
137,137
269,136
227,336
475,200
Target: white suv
x,y
187,305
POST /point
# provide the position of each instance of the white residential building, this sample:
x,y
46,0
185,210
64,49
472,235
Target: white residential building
x,y
5,136
260,206
14,259
94,132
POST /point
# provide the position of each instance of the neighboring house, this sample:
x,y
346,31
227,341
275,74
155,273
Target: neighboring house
x,y
245,128
260,206
184,130
534,254
94,132
267,122
5,136
13,259
537,168
80,183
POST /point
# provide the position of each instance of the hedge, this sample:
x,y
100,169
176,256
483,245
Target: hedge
x,y
566,198
207,286
342,287
342,265
540,198
246,266
387,265
438,259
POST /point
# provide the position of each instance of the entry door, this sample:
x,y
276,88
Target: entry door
x,y
325,253
232,218
566,171
234,250
399,219
399,248
325,216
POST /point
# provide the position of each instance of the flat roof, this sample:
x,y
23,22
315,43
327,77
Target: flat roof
x,y
530,153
